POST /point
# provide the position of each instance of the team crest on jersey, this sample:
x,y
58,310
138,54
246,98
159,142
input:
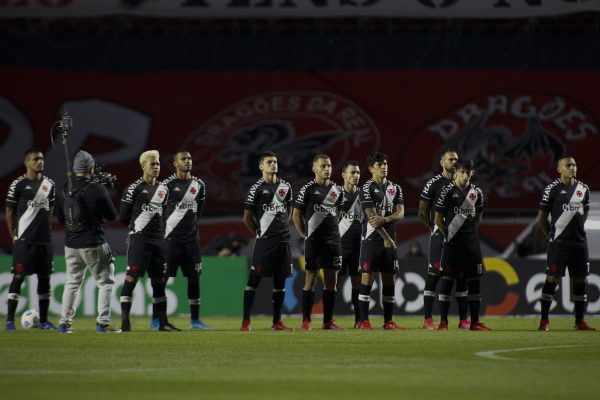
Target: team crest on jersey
x,y
391,191
296,126
472,196
514,140
161,194
193,190
579,193
45,188
333,194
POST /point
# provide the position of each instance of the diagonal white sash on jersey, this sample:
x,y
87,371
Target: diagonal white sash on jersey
x,y
178,213
318,217
268,216
459,219
31,212
346,223
146,216
566,216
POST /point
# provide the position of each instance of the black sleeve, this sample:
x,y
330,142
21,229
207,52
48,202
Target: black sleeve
x,y
126,209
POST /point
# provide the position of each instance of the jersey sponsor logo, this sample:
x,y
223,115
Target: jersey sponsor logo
x,y
149,207
319,208
464,211
514,140
578,208
296,125
45,204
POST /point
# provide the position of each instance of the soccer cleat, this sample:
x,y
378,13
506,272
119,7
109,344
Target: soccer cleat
x,y
306,325
245,326
65,328
198,324
10,326
479,326
443,326
101,328
168,327
47,326
279,326
125,326
391,326
154,325
428,323
544,325
464,324
365,325
332,326
357,324
583,326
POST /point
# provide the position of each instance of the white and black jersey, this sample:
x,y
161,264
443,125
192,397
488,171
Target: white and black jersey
x,y
319,205
184,206
431,192
351,218
566,206
32,201
142,207
271,204
460,208
383,199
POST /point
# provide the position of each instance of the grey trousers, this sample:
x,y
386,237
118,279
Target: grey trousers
x,y
100,262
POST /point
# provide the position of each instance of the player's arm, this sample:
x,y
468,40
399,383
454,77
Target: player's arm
x,y
10,222
387,240
125,211
249,220
424,208
478,217
297,219
439,222
542,218
377,221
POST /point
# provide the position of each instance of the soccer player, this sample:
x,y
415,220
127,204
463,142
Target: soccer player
x,y
567,202
142,207
429,196
29,205
458,212
383,205
186,198
350,225
315,218
267,214
85,245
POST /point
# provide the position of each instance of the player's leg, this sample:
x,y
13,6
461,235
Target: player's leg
x,y
355,281
137,260
350,261
19,271
191,266
157,271
444,297
75,274
44,268
473,273
280,266
579,269
436,243
388,299
332,263
555,269
103,270
249,295
462,302
312,258
367,261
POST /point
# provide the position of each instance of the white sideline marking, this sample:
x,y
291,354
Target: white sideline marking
x,y
492,354
94,371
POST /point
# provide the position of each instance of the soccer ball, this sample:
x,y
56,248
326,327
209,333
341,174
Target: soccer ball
x,y
30,319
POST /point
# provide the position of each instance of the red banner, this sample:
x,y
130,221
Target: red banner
x,y
514,124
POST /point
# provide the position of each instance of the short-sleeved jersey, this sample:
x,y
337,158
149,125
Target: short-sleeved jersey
x,y
430,194
319,206
142,207
271,204
184,206
384,200
460,208
32,201
566,206
351,218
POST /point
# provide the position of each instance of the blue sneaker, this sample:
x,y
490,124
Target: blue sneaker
x,y
65,328
47,326
10,326
154,325
198,324
103,328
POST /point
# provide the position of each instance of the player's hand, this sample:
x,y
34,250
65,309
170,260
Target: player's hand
x,y
376,221
389,244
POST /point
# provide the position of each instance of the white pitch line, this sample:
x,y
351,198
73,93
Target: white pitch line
x,y
492,354
94,371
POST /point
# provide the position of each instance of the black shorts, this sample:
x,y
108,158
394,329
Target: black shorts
x,y
436,245
350,261
184,255
31,259
461,259
322,254
573,256
272,258
376,258
146,254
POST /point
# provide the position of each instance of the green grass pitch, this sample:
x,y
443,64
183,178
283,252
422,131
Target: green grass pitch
x,y
515,361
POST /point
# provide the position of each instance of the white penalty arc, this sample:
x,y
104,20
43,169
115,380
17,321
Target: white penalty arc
x,y
493,354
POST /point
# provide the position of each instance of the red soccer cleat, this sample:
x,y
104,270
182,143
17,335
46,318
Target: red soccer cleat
x,y
443,326
365,325
544,325
331,325
479,326
306,325
391,326
428,323
279,326
464,324
245,326
583,326
357,324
